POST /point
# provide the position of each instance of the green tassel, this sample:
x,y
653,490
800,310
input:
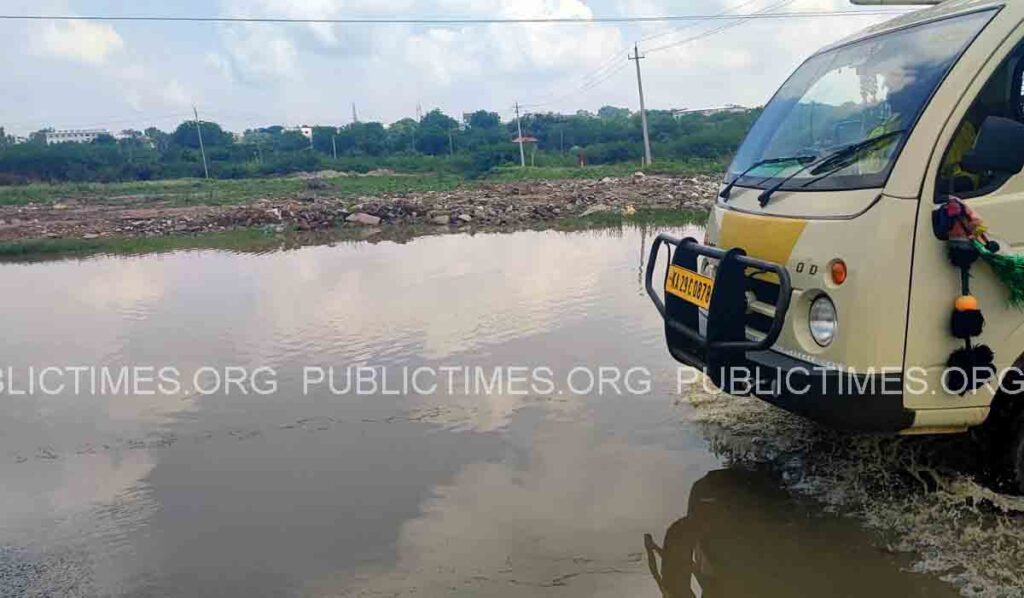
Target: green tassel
x,y
1010,270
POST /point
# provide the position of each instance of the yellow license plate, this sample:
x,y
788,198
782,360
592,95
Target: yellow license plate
x,y
689,286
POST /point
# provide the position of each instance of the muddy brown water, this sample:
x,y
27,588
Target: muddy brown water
x,y
563,490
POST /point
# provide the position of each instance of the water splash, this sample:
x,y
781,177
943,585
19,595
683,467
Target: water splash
x,y
919,493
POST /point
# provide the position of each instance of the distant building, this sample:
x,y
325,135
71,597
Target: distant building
x,y
74,136
727,109
306,131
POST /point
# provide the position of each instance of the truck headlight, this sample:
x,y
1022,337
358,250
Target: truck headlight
x,y
823,321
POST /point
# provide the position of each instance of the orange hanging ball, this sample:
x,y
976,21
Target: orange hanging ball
x,y
966,303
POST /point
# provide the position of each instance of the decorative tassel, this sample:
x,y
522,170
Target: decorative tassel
x,y
1009,269
969,368
967,324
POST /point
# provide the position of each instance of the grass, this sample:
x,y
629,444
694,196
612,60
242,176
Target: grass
x,y
248,239
540,173
184,192
222,192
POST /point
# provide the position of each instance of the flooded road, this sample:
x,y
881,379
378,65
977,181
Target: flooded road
x,y
558,477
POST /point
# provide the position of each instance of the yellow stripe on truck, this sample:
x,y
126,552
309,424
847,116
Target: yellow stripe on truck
x,y
764,237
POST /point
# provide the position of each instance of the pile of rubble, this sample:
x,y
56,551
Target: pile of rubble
x,y
493,205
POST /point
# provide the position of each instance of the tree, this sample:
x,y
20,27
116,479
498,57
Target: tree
x,y
483,120
432,140
611,135
213,136
38,138
436,118
401,135
160,140
613,113
322,139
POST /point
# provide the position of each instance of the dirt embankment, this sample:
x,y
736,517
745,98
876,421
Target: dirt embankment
x,y
496,205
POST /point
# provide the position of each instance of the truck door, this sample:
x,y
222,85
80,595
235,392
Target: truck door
x,y
999,200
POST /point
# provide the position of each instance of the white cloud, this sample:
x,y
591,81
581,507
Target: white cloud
x,y
82,41
258,74
260,53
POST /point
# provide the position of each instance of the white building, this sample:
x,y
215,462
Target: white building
x,y
74,136
727,109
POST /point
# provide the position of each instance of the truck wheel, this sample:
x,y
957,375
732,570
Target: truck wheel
x,y
1017,456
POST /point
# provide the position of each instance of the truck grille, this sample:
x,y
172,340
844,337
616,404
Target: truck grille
x,y
761,312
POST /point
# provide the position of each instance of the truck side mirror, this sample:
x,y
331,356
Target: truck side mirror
x,y
999,147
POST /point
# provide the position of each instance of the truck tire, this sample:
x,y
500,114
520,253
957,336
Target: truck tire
x,y
1016,457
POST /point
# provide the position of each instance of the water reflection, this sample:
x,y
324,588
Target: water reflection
x,y
744,536
314,494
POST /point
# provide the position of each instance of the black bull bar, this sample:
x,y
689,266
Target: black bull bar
x,y
725,342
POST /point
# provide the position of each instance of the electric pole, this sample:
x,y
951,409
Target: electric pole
x,y
643,111
202,150
355,117
451,144
519,128
334,146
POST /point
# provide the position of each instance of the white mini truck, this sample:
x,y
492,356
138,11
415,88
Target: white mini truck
x,y
825,283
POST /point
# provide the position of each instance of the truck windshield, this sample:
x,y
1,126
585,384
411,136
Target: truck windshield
x,y
846,95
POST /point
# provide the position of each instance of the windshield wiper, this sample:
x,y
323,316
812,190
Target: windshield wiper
x,y
838,156
844,160
728,188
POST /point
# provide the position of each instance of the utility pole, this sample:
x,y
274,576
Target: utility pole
x,y
451,144
355,117
334,146
202,150
519,128
643,111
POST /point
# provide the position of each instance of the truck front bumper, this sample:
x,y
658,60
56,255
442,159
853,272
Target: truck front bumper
x,y
744,366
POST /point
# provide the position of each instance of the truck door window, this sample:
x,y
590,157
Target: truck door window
x,y
1003,95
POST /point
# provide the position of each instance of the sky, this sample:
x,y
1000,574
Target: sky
x,y
117,75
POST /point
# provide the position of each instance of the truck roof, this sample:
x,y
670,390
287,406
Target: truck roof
x,y
945,9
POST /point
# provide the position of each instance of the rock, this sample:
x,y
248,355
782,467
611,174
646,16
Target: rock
x,y
607,180
363,218
90,236
597,209
639,176
629,211
465,218
440,220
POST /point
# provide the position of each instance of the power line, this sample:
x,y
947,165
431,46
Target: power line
x,y
445,21
738,19
691,25
741,19
609,67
